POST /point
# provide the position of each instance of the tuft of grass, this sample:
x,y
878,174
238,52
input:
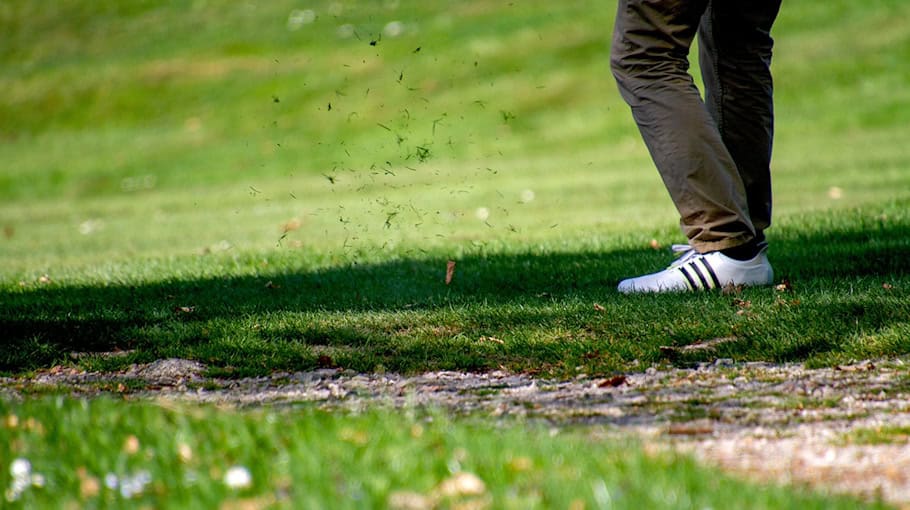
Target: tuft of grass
x,y
103,452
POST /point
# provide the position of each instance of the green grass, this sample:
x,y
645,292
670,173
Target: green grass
x,y
173,182
161,157
254,313
177,456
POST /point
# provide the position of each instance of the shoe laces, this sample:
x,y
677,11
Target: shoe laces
x,y
684,253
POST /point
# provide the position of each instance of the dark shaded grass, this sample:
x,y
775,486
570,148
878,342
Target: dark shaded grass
x,y
523,311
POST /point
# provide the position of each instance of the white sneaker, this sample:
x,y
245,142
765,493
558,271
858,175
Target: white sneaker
x,y
694,271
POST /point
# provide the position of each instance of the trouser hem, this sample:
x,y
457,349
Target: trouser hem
x,y
722,244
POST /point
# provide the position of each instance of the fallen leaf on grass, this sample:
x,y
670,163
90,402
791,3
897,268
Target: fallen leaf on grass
x,y
731,290
741,303
131,445
784,286
185,309
461,484
270,285
860,367
779,301
591,355
613,382
450,271
44,279
60,370
89,486
291,225
490,339
744,307
34,425
887,286
599,307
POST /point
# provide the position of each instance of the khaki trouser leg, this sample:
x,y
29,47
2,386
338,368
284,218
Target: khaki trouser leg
x,y
735,56
649,59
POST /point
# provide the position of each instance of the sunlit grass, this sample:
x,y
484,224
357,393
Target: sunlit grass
x,y
62,452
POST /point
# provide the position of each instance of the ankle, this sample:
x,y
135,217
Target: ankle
x,y
747,251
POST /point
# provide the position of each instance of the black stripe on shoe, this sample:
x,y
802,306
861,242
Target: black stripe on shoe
x,y
704,281
685,273
711,272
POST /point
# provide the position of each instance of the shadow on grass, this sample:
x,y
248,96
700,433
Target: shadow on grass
x,y
400,315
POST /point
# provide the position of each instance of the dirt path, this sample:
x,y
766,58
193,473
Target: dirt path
x,y
770,422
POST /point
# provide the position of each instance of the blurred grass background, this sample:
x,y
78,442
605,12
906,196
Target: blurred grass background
x,y
148,128
109,453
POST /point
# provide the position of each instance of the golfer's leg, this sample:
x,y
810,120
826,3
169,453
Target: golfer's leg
x,y
649,59
735,57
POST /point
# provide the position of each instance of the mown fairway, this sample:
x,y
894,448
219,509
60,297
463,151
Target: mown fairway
x,y
250,184
268,186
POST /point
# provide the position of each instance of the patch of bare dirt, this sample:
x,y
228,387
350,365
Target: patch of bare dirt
x,y
775,422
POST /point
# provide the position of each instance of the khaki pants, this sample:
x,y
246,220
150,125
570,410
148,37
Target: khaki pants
x,y
714,155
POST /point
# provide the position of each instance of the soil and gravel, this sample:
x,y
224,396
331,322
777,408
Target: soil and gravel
x,y
775,422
